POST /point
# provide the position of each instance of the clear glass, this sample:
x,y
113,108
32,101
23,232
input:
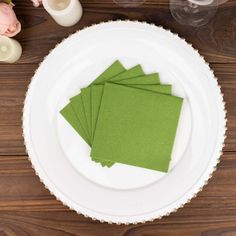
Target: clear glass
x,y
193,12
129,3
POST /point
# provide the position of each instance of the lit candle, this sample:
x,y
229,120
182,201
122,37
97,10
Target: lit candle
x,y
10,50
64,12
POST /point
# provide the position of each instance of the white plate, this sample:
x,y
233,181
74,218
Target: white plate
x,y
123,194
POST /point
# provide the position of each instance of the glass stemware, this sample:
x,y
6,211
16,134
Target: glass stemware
x,y
193,12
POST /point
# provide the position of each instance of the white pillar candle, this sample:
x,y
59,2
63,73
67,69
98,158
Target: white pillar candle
x,y
64,12
10,50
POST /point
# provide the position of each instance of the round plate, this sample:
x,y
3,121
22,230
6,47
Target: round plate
x,y
123,194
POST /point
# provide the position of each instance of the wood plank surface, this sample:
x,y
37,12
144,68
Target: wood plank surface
x,y
26,206
215,41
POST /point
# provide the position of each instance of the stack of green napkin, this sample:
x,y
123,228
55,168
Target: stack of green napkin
x,y
126,117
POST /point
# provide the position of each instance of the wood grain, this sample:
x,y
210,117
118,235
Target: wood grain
x,y
26,206
28,194
216,40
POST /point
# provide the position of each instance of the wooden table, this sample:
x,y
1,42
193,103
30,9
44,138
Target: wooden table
x,y
27,208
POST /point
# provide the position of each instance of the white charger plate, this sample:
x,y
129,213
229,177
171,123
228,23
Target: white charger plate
x,y
123,194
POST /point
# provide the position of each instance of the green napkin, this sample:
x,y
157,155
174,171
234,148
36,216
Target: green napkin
x,y
86,92
82,103
97,91
164,88
141,80
79,107
79,110
122,79
113,70
131,73
128,74
144,80
86,99
136,127
79,114
68,113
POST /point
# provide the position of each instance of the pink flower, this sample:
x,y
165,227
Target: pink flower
x,y
9,25
37,2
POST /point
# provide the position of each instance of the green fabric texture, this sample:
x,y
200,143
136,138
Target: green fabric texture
x,y
88,112
164,88
86,99
150,81
120,78
79,106
145,79
133,74
82,103
115,69
136,127
97,91
69,114
129,75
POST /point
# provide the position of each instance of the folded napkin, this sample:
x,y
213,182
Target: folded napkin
x,y
125,75
79,123
77,102
97,92
69,114
118,110
82,103
136,127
